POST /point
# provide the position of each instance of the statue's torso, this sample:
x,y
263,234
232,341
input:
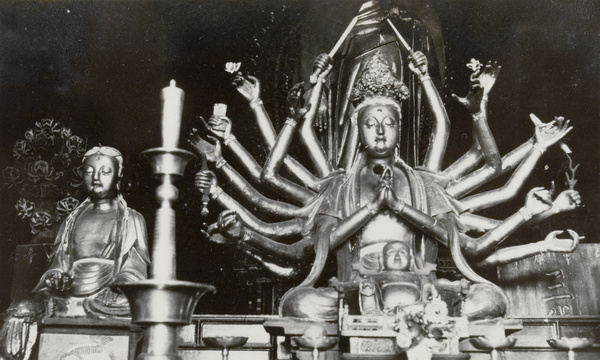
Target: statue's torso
x,y
383,227
92,233
399,288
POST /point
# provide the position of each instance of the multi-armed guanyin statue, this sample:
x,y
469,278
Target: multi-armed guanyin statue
x,y
366,196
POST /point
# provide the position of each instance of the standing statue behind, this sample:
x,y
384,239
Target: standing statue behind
x,y
101,243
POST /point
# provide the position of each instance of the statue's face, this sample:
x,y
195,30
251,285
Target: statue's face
x,y
100,176
378,129
396,256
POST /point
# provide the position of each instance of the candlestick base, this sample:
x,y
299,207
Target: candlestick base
x,y
163,302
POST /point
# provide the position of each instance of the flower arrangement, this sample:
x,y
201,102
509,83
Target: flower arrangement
x,y
421,326
46,174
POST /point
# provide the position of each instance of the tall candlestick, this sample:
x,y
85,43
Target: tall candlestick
x,y
163,303
172,98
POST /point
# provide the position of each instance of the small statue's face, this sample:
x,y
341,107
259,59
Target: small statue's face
x,y
100,176
367,288
378,128
396,256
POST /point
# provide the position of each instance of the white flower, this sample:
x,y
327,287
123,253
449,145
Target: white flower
x,y
25,208
435,311
232,67
65,206
474,65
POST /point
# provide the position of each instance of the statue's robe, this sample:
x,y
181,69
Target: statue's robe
x,y
338,198
125,258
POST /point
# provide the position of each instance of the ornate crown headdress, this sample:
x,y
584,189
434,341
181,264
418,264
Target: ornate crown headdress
x,y
378,81
108,151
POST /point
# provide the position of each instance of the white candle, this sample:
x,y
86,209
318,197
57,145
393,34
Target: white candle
x,y
172,98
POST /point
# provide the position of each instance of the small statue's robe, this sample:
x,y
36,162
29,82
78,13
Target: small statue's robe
x,y
124,259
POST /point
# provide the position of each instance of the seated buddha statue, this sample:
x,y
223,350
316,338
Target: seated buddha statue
x,y
396,285
101,243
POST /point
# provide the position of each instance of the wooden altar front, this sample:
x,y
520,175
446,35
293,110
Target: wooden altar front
x,y
555,295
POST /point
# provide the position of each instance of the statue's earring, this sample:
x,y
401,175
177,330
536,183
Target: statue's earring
x,y
397,157
119,180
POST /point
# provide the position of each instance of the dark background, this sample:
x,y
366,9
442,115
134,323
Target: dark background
x,y
98,68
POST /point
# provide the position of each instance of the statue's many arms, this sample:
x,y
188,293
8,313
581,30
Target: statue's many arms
x,y
379,199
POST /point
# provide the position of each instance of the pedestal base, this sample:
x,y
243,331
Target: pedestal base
x,y
84,338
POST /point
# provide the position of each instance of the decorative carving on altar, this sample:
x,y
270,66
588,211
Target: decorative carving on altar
x,y
101,243
79,346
